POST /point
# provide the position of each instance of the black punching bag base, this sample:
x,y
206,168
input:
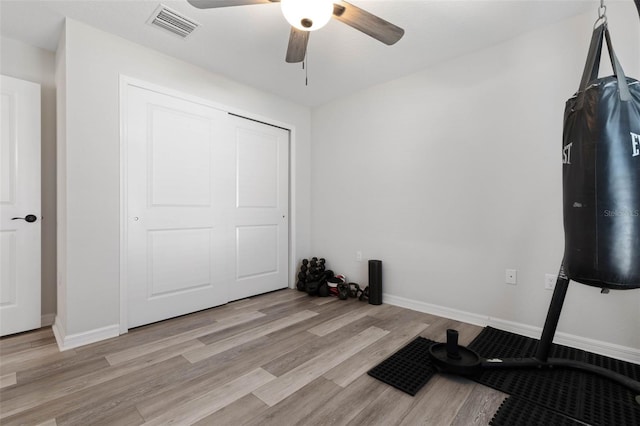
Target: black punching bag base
x,y
466,364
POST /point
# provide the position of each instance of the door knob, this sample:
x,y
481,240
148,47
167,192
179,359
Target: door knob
x,y
28,218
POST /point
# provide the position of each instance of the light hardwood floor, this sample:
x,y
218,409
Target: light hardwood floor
x,y
283,358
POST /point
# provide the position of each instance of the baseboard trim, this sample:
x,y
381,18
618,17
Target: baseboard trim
x,y
47,319
612,350
58,333
66,342
437,310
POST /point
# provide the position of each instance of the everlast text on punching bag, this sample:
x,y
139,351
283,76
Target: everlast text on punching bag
x,y
601,175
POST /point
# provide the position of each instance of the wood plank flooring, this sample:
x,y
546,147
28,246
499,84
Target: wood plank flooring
x,y
281,358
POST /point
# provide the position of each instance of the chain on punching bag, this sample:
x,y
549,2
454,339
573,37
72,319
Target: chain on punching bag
x,y
601,173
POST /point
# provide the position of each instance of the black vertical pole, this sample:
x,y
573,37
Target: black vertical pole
x,y
553,315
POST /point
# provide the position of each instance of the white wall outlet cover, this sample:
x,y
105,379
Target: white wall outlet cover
x,y
550,281
511,276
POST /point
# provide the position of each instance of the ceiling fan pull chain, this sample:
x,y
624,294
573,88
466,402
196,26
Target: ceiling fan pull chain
x,y
305,67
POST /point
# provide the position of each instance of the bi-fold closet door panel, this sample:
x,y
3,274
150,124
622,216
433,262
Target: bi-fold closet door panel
x,y
261,208
197,234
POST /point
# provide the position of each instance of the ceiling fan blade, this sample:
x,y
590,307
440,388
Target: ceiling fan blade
x,y
210,4
367,22
297,45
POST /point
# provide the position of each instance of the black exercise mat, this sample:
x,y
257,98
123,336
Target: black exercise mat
x,y
409,369
572,396
520,412
575,394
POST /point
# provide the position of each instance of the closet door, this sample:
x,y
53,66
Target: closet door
x,y
207,199
261,208
179,193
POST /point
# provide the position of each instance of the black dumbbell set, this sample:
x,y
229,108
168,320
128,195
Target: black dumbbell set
x,y
313,277
316,280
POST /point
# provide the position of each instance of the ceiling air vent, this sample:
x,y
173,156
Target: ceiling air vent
x,y
171,20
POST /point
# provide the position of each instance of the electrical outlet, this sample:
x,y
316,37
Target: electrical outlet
x,y
550,281
358,256
511,276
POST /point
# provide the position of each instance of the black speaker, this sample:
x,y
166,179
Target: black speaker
x,y
375,282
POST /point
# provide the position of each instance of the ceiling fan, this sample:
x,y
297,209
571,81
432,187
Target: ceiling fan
x,y
310,15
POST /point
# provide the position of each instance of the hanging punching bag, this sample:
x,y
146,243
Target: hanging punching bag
x,y
601,175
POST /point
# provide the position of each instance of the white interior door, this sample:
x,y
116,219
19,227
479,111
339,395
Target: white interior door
x,y
178,191
261,208
19,198
207,198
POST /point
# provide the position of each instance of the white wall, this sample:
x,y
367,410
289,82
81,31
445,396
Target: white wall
x,y
453,174
30,63
94,62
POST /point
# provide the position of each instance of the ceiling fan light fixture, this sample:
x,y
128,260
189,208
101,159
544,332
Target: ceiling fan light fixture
x,y
307,15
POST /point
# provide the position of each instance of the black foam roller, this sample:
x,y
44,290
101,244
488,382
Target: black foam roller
x,y
375,282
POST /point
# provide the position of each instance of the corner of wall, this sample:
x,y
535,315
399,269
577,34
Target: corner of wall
x,y
66,342
61,184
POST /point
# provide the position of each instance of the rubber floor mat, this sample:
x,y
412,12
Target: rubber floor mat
x,y
575,394
409,369
554,396
517,411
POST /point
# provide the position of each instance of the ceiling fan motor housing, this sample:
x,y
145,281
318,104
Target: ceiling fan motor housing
x,y
307,15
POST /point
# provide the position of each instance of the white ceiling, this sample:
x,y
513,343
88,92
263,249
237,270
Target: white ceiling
x,y
248,43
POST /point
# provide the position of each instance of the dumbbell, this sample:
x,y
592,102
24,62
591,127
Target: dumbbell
x,y
312,288
323,289
354,290
343,291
